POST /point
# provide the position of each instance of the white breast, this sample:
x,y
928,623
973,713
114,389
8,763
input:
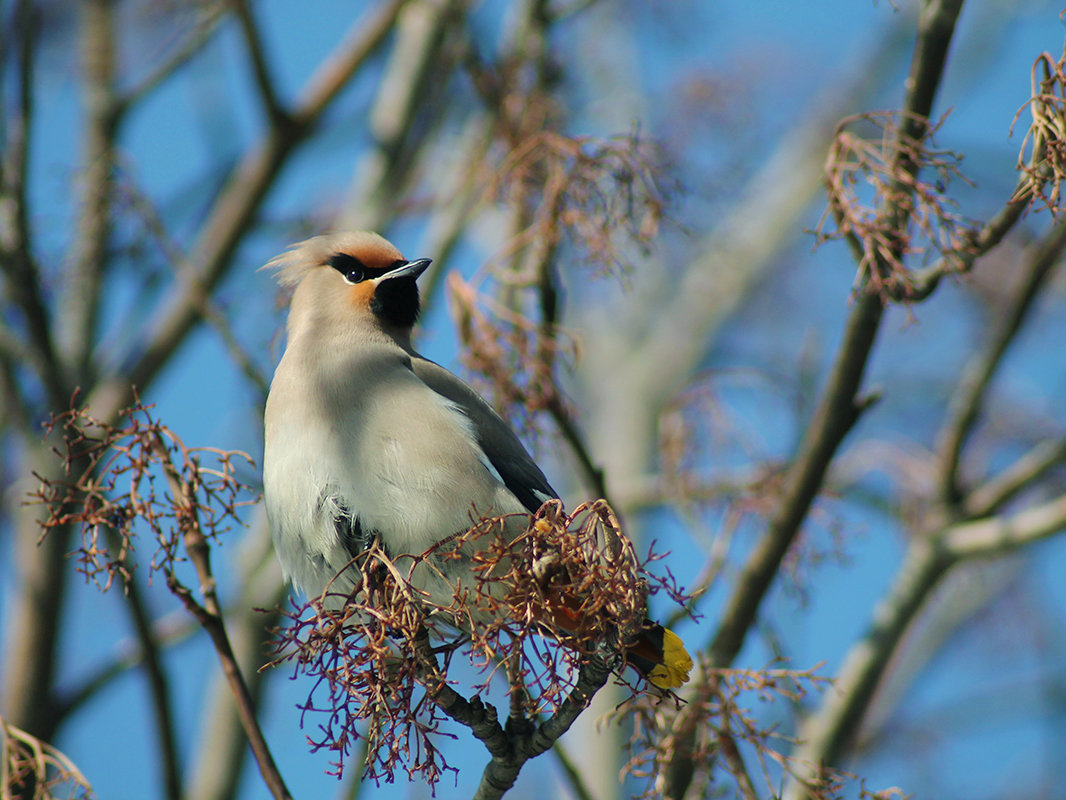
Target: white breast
x,y
400,457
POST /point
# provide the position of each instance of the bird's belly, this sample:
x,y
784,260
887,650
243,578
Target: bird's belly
x,y
406,483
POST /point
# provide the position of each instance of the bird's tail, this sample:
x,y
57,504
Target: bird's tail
x,y
659,655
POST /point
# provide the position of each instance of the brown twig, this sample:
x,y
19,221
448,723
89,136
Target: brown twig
x,y
201,500
369,646
30,765
210,618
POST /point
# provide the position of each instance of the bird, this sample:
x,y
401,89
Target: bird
x,y
368,441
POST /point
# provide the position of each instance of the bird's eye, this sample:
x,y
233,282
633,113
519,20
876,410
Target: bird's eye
x,y
353,270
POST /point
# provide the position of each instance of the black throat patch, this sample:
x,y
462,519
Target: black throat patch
x,y
396,302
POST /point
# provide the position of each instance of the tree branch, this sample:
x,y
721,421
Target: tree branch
x,y
260,63
824,735
838,411
158,684
402,93
211,14
968,400
512,747
209,615
79,303
21,271
989,496
235,208
840,406
995,535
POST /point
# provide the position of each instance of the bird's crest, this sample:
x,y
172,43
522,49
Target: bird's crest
x,y
291,266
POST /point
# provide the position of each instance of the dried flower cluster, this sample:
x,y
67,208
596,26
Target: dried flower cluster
x,y
514,354
1042,159
30,768
112,491
881,205
536,609
728,736
599,195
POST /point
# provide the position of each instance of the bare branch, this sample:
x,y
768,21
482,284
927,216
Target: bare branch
x,y
260,63
969,397
235,208
211,15
502,771
404,91
995,535
840,405
202,499
20,270
222,745
80,301
838,411
159,687
988,497
210,617
824,734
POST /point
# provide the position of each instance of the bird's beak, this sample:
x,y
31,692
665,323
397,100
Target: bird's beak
x,y
411,269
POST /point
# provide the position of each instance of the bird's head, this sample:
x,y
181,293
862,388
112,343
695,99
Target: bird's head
x,y
356,276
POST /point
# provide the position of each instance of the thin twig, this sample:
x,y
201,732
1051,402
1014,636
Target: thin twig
x,y
211,15
167,631
969,397
159,687
79,303
260,62
235,208
209,615
991,495
573,774
924,282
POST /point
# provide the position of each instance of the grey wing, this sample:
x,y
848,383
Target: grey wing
x,y
504,449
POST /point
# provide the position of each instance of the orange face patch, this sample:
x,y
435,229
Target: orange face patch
x,y
361,294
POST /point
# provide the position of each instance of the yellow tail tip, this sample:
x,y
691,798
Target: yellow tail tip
x,y
677,663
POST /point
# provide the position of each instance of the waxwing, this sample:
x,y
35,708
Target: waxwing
x,y
366,439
